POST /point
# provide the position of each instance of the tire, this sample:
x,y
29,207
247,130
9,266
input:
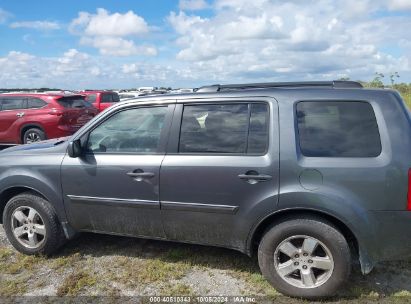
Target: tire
x,y
44,226
33,135
302,233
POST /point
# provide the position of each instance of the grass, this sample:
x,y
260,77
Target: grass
x,y
75,283
137,272
115,266
17,263
62,262
13,287
178,289
407,98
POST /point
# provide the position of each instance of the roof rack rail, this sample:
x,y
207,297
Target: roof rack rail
x,y
328,84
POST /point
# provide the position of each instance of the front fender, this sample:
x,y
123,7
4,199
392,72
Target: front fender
x,y
48,185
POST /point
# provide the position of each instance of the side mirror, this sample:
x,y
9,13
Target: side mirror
x,y
74,148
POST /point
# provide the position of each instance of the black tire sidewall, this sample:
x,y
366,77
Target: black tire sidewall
x,y
39,132
47,216
325,233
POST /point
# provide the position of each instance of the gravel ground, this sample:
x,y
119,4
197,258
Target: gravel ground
x,y
101,265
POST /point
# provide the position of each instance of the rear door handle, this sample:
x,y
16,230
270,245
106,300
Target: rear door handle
x,y
140,175
254,177
21,114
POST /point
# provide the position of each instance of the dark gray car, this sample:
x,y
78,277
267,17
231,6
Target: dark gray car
x,y
310,176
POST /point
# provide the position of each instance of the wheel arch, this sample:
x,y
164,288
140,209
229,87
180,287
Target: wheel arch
x,y
11,192
359,253
28,126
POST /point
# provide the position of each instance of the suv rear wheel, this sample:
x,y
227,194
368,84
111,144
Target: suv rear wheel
x,y
33,135
31,225
305,257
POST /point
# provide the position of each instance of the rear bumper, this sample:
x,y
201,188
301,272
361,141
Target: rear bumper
x,y
392,235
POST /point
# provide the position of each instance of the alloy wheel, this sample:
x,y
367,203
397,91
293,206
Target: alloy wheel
x,y
32,137
303,261
28,227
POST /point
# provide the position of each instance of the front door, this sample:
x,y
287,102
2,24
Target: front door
x,y
114,186
222,176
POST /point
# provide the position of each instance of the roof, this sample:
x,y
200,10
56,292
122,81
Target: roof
x,y
96,91
280,91
39,94
300,84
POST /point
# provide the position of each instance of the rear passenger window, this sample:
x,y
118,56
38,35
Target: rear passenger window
x,y
225,128
338,129
12,104
35,103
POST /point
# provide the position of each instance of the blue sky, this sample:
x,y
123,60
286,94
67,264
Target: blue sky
x,y
189,43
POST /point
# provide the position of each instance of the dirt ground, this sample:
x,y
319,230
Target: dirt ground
x,y
100,265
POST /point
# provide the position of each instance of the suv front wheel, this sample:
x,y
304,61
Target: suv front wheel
x,y
305,257
31,225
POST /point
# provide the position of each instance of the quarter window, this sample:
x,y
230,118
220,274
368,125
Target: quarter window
x,y
130,131
224,128
337,129
258,133
35,103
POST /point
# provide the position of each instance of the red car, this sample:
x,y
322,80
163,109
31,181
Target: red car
x,y
101,99
27,118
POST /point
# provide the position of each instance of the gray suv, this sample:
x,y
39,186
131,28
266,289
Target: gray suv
x,y
309,176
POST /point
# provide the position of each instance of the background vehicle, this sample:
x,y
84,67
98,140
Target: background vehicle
x,y
308,176
101,100
27,118
128,95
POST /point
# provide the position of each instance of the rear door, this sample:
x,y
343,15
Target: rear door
x,y
220,175
11,114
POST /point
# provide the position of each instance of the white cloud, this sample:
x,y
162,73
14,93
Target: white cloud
x,y
193,5
105,24
4,15
276,40
36,25
78,70
116,46
236,41
129,68
399,4
107,32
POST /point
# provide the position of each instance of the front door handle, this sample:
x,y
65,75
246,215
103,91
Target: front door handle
x,y
253,177
139,175
21,114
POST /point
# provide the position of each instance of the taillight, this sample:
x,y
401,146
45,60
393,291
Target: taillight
x,y
409,190
56,112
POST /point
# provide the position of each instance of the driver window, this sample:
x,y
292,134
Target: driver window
x,y
133,131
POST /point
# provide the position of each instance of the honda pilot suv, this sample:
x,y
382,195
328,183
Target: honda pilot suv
x,y
310,177
27,118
